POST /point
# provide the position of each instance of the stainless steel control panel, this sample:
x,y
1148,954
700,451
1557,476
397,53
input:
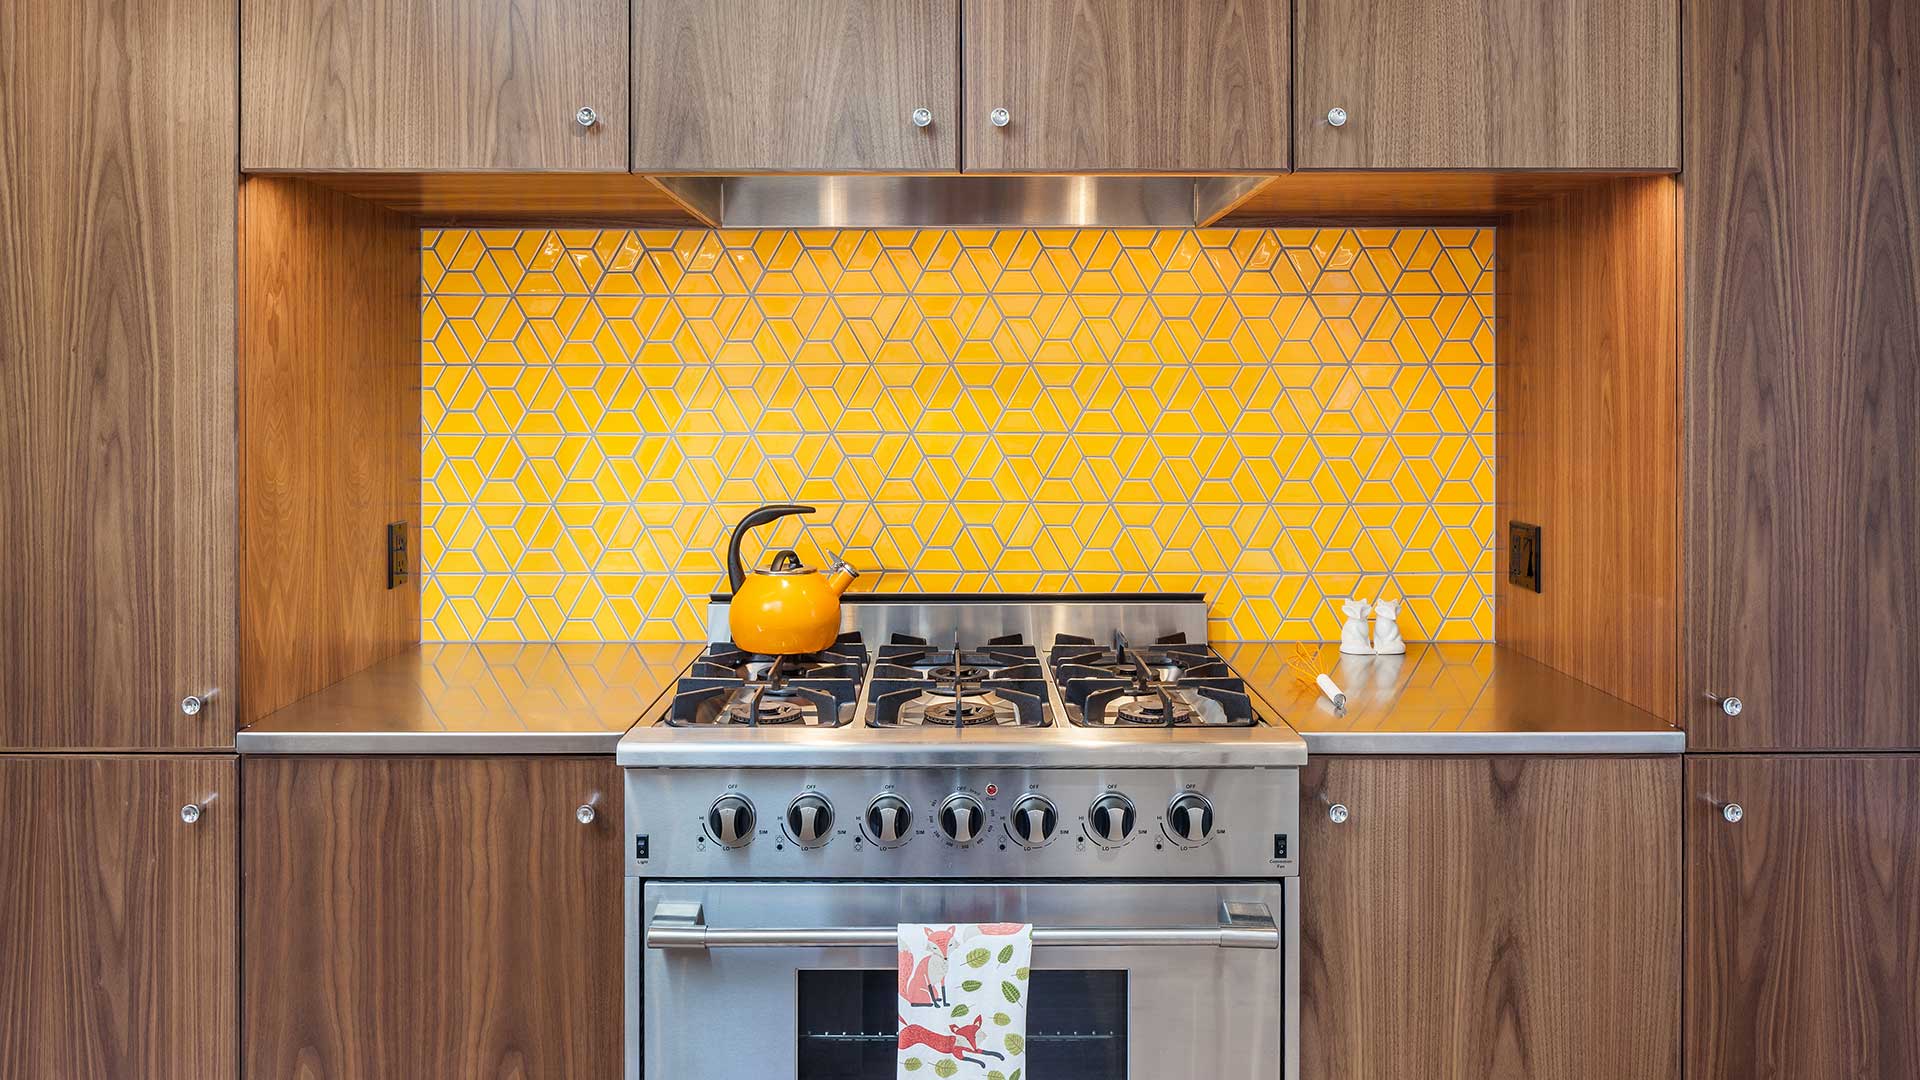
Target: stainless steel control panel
x,y
975,823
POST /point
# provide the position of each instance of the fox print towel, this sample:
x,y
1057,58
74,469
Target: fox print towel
x,y
963,1000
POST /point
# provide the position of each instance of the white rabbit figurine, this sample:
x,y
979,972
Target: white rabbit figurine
x,y
1386,629
1353,636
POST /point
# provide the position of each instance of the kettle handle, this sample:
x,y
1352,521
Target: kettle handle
x,y
736,573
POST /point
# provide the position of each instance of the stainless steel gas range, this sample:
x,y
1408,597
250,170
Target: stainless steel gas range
x,y
1085,765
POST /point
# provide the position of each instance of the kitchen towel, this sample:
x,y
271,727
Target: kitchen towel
x,y
963,1000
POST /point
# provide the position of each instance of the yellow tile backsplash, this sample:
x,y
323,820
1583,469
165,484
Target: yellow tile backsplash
x,y
1281,418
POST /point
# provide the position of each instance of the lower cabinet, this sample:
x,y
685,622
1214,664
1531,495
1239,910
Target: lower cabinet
x,y
432,917
1803,917
117,917
1486,918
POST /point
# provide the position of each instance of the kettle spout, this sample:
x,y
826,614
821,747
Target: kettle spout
x,y
841,577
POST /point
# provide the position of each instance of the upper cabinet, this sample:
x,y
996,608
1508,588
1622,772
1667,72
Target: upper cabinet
x,y
1126,85
427,85
117,498
775,85
1488,84
1802,413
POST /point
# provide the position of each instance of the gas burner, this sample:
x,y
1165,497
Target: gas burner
x,y
904,703
1152,711
1001,659
1168,659
778,711
1168,684
846,659
960,712
711,695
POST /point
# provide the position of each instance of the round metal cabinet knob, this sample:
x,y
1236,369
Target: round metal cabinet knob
x,y
1729,705
1336,117
191,812
586,117
731,821
1733,812
922,118
999,118
192,704
585,813
1337,813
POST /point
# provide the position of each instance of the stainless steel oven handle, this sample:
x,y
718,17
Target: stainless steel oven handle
x,y
681,925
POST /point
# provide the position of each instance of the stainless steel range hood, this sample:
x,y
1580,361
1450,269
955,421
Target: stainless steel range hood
x,y
757,202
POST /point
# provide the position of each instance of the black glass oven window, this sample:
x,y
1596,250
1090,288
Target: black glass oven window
x,y
849,1026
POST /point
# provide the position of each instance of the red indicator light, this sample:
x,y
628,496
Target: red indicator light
x,y
992,790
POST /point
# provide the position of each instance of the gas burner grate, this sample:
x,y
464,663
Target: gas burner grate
x,y
821,696
846,659
960,712
1170,683
903,703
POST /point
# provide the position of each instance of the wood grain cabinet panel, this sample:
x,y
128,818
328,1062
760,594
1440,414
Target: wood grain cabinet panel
x,y
117,494
1488,84
1490,918
1803,919
117,927
1126,85
432,917
432,84
773,85
1802,411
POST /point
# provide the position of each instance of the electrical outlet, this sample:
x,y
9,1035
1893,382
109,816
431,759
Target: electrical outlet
x,y
1523,555
396,554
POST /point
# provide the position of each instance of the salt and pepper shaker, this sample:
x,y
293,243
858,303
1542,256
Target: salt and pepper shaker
x,y
1353,636
1386,629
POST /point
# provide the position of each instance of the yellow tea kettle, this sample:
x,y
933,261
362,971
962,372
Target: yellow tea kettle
x,y
786,608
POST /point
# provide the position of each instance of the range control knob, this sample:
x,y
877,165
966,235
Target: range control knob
x,y
961,817
810,820
731,821
889,820
1190,818
1111,818
1033,821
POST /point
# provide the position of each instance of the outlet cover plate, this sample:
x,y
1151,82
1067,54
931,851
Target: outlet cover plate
x,y
1523,555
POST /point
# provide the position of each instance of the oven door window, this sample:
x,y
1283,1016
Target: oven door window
x,y
849,1023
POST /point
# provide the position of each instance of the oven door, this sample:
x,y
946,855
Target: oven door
x,y
1148,980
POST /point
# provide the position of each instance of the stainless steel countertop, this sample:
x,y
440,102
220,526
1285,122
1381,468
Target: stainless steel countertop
x,y
582,698
479,699
1448,699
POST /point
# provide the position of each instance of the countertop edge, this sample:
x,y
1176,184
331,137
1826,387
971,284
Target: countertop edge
x,y
1439,743
351,743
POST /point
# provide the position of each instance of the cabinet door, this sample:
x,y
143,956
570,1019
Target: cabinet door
x,y
1803,918
1479,919
433,84
1126,85
819,85
447,917
1488,84
117,917
1802,410
117,497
